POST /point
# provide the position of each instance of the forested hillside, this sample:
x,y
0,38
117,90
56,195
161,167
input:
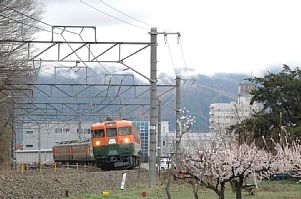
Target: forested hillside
x,y
197,95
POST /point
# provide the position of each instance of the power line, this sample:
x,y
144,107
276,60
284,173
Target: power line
x,y
37,20
183,57
101,1
26,24
118,19
171,57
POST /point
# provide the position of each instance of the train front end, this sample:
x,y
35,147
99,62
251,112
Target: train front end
x,y
116,144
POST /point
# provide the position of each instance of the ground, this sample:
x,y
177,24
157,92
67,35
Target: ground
x,y
91,182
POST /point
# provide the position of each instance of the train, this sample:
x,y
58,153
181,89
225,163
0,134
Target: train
x,y
113,144
73,152
116,144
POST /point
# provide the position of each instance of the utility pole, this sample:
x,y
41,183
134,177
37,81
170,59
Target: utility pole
x,y
159,135
153,107
39,144
178,118
80,130
13,140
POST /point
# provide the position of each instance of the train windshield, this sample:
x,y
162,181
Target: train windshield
x,y
99,133
111,132
124,131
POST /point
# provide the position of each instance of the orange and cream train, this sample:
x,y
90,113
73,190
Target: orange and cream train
x,y
116,144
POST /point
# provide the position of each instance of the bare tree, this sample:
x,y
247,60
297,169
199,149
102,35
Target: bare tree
x,y
18,21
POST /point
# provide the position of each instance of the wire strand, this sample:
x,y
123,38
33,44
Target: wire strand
x,y
37,20
171,58
116,18
183,57
26,24
101,1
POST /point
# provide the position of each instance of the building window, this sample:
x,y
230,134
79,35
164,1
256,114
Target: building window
x,y
29,132
29,145
84,131
58,131
66,130
87,131
163,143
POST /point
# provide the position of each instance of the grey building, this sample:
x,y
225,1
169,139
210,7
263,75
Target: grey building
x,y
46,134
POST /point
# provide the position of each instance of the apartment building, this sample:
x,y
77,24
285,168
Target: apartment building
x,y
223,115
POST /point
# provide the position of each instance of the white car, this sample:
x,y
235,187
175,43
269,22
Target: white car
x,y
165,164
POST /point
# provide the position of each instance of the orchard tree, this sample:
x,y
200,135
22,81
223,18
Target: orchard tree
x,y
224,160
290,154
185,123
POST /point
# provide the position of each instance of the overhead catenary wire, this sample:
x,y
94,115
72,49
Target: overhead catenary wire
x,y
101,1
116,18
171,57
26,24
183,57
37,20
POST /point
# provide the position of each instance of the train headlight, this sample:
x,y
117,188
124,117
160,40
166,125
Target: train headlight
x,y
97,143
126,140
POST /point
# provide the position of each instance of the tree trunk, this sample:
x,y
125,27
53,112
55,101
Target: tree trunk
x,y
222,192
239,187
168,185
194,189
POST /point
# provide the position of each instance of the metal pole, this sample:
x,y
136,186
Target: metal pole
x,y
79,130
178,118
159,135
13,141
153,107
39,144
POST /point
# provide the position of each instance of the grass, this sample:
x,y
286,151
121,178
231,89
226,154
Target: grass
x,y
267,190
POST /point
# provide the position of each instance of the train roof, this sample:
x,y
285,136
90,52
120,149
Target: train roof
x,y
115,123
70,142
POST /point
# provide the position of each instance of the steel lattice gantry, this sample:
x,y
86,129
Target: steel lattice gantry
x,y
99,96
73,51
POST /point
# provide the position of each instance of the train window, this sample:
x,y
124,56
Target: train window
x,y
99,133
111,132
124,131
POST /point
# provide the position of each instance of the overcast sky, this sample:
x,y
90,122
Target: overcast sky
x,y
233,36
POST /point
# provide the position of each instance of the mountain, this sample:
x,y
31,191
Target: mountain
x,y
196,95
205,90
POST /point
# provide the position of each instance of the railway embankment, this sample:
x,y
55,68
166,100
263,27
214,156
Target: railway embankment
x,y
48,183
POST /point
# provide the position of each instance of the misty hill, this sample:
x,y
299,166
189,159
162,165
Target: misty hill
x,y
196,96
204,91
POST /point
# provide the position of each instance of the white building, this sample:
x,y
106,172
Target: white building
x,y
51,132
223,115
188,141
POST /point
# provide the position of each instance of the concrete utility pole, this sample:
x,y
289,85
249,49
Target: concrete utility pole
x,y
80,129
13,140
178,118
39,144
159,135
153,107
